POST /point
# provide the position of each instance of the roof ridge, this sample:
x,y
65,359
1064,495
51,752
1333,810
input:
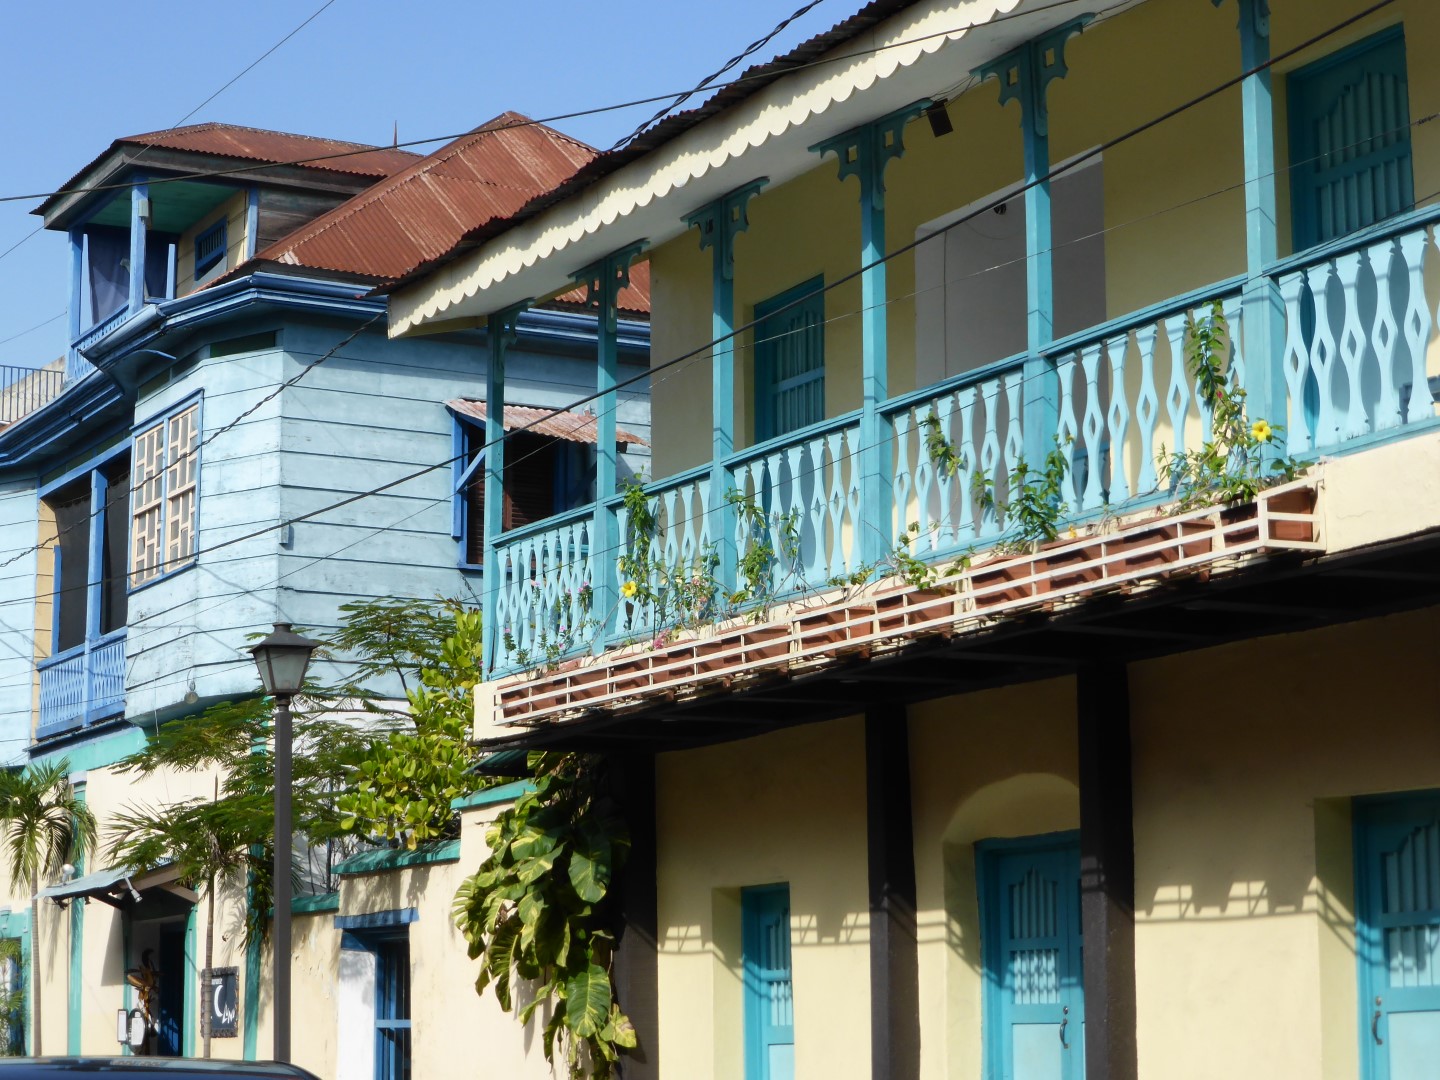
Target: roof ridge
x,y
214,125
421,167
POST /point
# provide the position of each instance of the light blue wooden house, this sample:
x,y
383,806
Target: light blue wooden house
x,y
234,441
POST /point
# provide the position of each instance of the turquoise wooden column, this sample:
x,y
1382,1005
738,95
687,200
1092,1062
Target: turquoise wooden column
x,y
500,329
864,152
603,281
1263,310
77,277
719,222
139,220
1025,74
76,980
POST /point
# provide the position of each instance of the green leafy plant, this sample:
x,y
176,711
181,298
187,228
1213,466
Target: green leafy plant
x,y
938,446
1031,508
43,825
1237,460
538,915
12,999
769,562
915,571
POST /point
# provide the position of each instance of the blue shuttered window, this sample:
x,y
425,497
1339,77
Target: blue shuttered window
x,y
392,1008
769,994
1350,140
790,361
209,248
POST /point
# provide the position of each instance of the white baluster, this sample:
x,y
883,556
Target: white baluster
x,y
1147,408
990,455
945,486
1414,247
1352,347
1177,397
965,524
1118,417
1094,427
1323,354
1014,433
1068,429
1233,308
1295,361
910,459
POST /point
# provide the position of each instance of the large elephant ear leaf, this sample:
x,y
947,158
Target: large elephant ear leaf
x,y
590,865
587,1001
500,958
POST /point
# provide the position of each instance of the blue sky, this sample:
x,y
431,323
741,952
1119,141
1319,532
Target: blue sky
x,y
83,73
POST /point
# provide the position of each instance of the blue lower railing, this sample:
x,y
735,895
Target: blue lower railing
x,y
82,685
1359,333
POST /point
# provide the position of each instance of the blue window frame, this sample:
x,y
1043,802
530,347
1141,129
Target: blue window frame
x,y
1397,934
543,476
790,360
1034,1004
1350,140
209,247
769,984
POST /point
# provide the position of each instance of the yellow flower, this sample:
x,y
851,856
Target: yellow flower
x,y
629,589
1262,431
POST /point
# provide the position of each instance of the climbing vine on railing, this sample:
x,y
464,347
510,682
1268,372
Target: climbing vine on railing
x,y
1236,461
538,913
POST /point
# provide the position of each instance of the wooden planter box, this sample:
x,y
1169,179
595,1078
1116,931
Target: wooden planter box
x,y
824,627
904,608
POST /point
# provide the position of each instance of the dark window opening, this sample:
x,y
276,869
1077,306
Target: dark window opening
x,y
544,476
71,506
82,507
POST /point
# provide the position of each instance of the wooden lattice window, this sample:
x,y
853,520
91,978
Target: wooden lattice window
x,y
165,496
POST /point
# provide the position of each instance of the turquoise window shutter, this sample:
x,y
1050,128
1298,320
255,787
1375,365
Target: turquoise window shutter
x,y
790,360
769,993
1350,140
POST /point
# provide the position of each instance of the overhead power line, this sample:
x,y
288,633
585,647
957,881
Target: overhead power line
x,y
707,348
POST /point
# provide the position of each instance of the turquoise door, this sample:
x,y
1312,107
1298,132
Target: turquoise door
x,y
769,997
1398,937
1035,1004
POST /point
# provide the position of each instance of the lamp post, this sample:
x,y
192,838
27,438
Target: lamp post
x,y
282,658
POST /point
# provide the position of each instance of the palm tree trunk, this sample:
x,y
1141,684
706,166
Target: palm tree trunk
x,y
207,1000
34,965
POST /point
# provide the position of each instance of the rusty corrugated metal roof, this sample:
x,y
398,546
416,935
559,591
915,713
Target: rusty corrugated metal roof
x,y
571,426
751,81
257,144
260,145
418,213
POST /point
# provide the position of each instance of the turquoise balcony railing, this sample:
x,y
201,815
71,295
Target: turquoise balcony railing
x,y
82,685
1358,331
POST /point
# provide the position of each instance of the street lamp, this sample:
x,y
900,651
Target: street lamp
x,y
282,658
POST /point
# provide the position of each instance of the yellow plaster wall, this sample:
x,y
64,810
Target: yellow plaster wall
x,y
785,807
996,764
44,598
235,212
1244,884
1174,205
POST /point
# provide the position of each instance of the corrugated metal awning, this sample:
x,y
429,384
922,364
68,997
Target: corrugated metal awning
x,y
571,426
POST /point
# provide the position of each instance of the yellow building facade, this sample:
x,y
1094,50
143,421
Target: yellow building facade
x,y
1151,793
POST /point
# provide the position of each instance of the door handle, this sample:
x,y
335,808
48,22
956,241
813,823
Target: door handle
x,y
1064,1022
1375,1025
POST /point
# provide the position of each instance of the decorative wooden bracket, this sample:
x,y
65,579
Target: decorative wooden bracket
x,y
1025,73
720,221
